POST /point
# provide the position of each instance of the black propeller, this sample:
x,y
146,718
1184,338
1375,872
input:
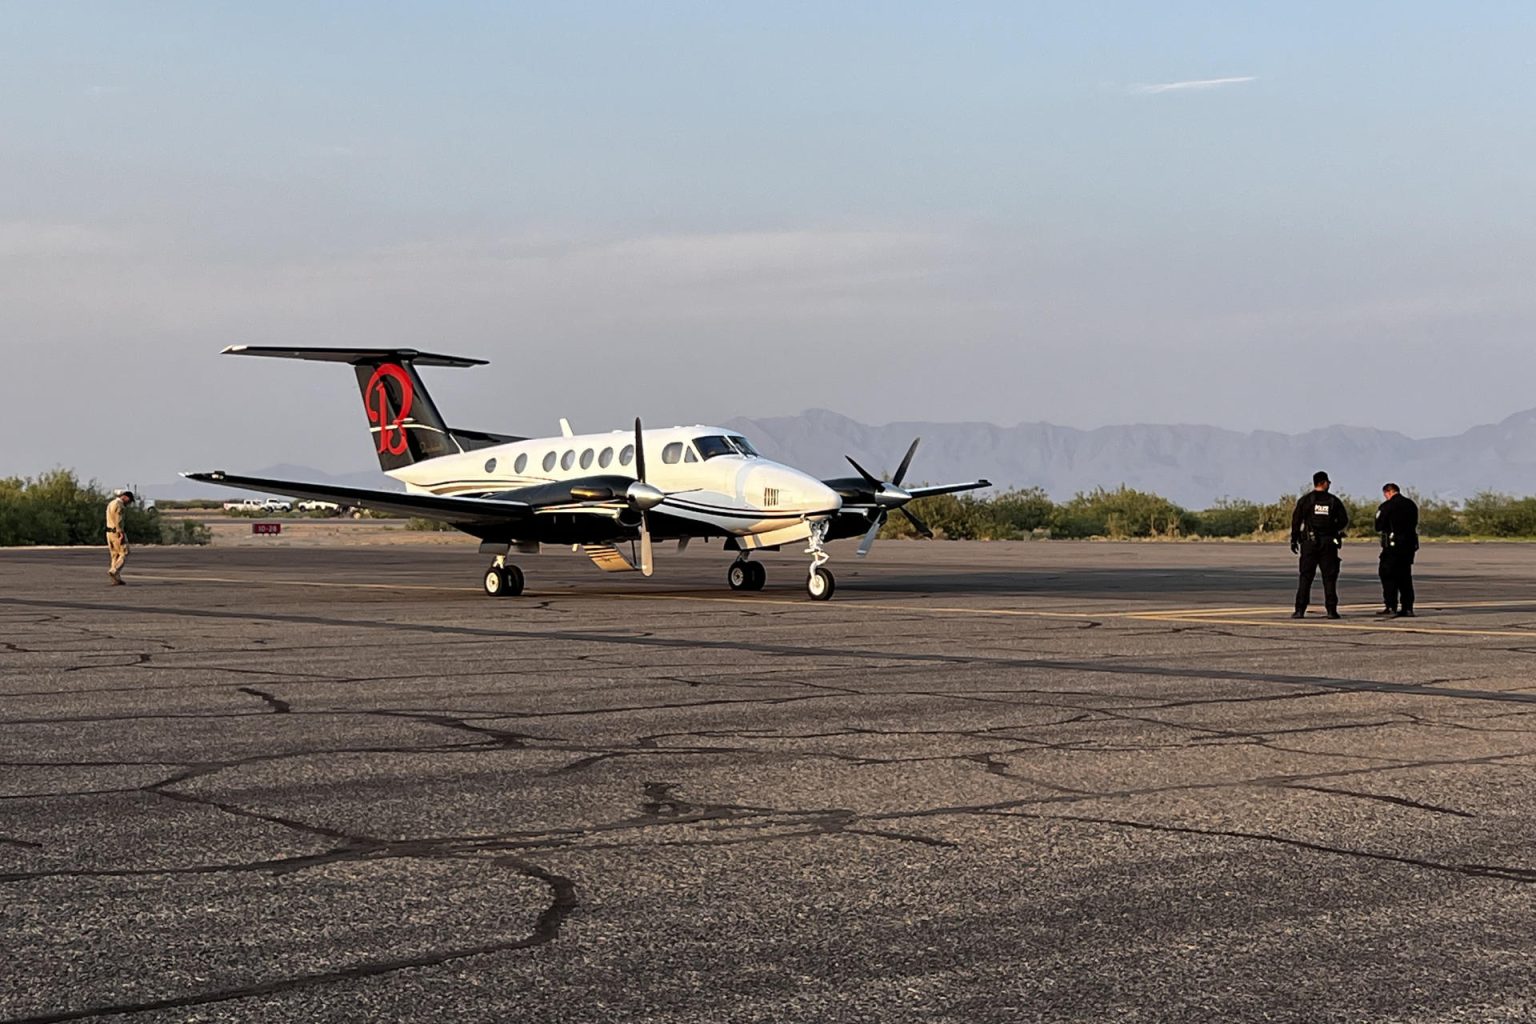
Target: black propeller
x,y
890,496
644,497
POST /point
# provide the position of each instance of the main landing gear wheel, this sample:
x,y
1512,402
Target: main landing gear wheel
x,y
820,585
746,576
503,581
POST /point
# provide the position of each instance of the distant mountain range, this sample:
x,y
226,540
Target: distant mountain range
x,y
1192,465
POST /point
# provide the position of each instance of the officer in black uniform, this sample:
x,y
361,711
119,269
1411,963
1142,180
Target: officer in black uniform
x,y
1317,533
1397,520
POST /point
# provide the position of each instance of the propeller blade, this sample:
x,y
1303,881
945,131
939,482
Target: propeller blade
x,y
866,474
869,538
647,564
639,453
901,470
917,524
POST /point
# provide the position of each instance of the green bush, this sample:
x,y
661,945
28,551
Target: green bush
x,y
427,525
1231,517
1500,515
1440,519
57,509
184,531
1122,512
1019,513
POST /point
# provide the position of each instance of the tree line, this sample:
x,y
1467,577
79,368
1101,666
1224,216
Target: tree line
x,y
1125,513
56,508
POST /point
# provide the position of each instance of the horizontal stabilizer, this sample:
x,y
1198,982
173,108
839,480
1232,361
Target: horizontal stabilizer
x,y
355,356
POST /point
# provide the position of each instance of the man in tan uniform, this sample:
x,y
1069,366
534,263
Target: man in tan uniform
x,y
117,540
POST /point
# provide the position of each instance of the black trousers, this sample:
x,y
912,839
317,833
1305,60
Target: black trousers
x,y
1317,555
1397,580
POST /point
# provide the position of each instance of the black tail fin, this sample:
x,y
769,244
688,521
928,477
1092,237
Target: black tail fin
x,y
404,420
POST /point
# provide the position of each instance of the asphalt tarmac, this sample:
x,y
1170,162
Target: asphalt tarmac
x,y
986,782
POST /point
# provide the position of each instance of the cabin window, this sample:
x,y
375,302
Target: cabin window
x,y
688,454
490,465
627,455
672,453
586,459
521,463
605,459
568,459
549,462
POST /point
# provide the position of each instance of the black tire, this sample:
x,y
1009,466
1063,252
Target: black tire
x,y
496,582
514,581
739,575
756,576
820,585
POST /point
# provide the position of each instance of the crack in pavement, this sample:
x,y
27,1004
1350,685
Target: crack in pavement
x,y
278,705
545,929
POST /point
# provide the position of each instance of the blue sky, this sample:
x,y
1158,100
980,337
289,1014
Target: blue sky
x,y
1257,216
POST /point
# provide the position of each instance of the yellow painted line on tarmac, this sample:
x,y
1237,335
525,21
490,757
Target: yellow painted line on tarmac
x,y
1282,609
277,581
1381,627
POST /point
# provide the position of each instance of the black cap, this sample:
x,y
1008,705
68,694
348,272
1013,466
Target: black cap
x,y
1320,478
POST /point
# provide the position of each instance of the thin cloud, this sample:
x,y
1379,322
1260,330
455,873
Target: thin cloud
x,y
1152,89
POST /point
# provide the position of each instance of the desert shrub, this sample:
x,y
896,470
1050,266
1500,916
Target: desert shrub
x,y
1500,515
1018,513
184,531
1440,519
1123,512
1231,517
427,525
56,508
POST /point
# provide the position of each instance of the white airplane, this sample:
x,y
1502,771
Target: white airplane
x,y
597,492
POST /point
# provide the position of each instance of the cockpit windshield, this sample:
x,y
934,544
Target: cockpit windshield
x,y
709,447
714,445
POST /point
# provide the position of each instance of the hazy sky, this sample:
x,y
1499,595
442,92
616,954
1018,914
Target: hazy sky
x,y
1258,216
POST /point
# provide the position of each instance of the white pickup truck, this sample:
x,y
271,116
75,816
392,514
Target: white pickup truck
x,y
256,505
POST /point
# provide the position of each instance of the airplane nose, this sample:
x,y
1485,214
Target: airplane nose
x,y
791,490
811,495
819,496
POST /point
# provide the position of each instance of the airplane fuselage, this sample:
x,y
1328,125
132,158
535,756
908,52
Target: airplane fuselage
x,y
715,483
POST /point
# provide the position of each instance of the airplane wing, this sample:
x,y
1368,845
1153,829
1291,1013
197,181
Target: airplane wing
x,y
928,492
428,506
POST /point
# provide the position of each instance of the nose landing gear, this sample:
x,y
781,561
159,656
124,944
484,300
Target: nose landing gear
x,y
821,583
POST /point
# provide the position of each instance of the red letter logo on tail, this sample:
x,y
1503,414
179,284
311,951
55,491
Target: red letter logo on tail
x,y
376,397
